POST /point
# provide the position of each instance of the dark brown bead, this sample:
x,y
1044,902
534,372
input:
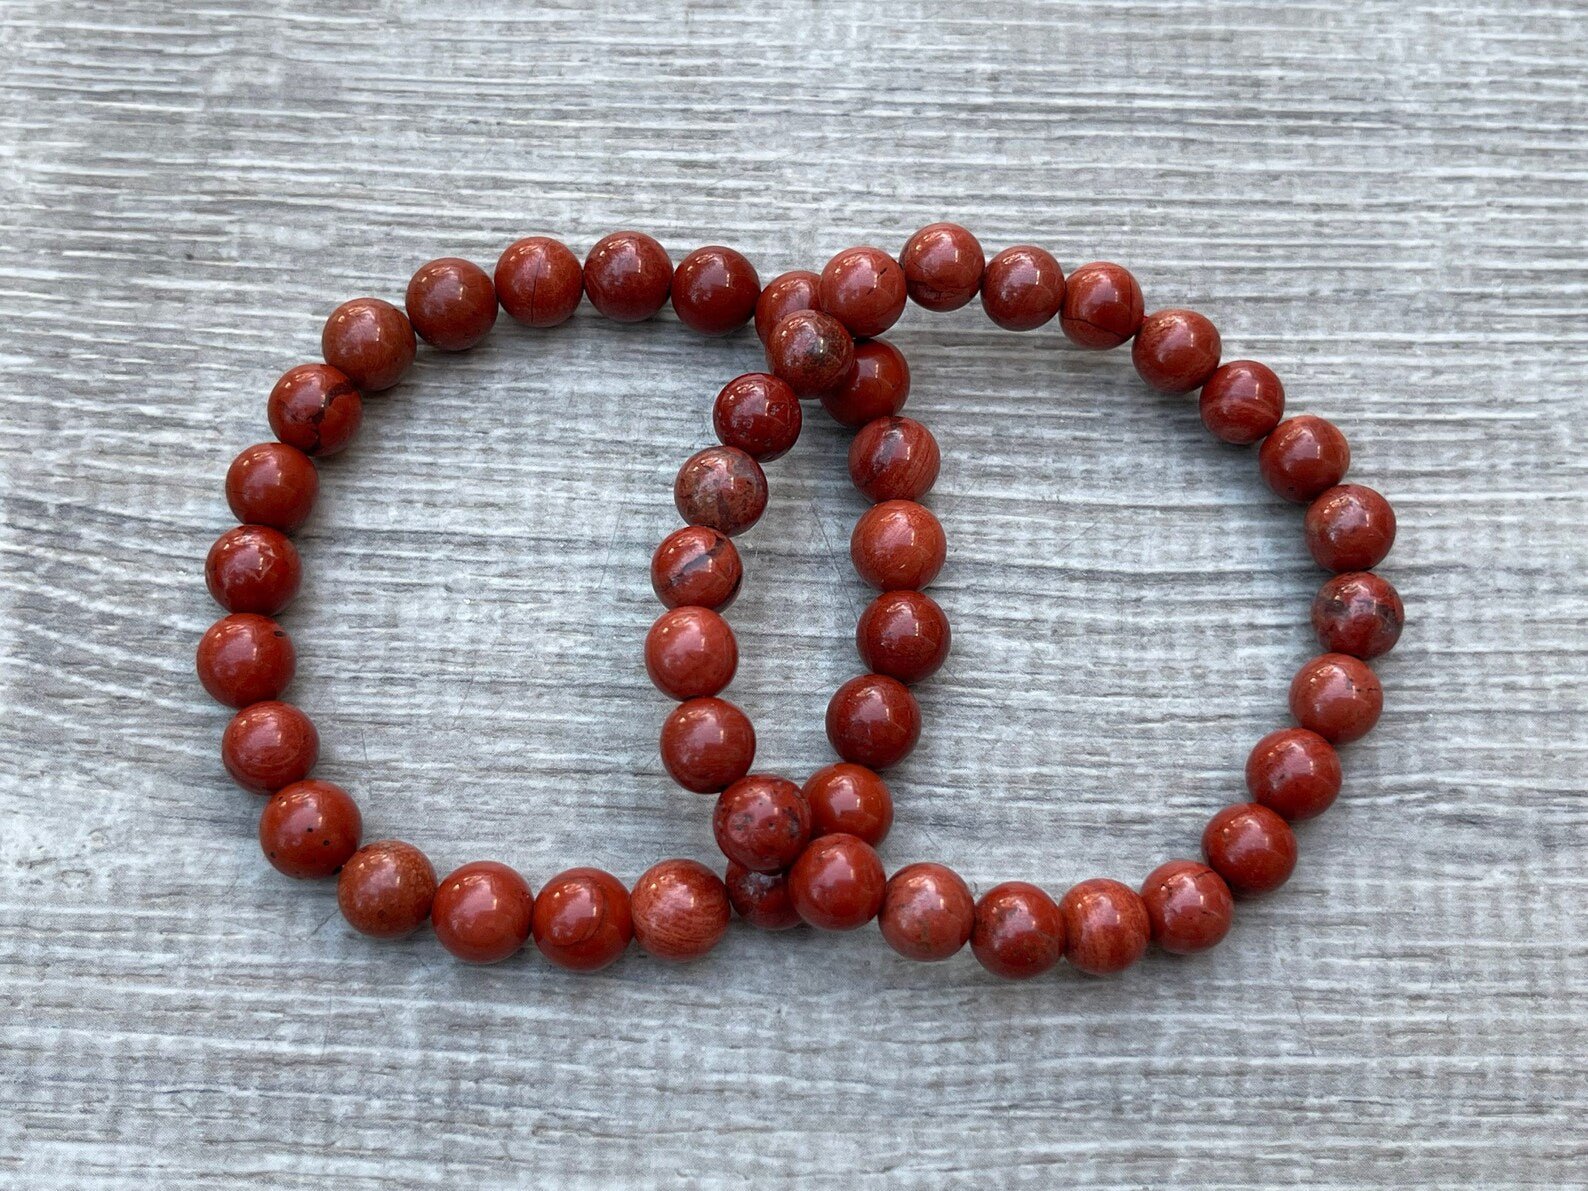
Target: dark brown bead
x,y
927,912
253,568
721,488
385,889
1358,613
837,883
942,266
1251,847
894,459
272,484
1102,306
451,303
873,720
1294,773
762,822
680,910
715,290
370,342
904,635
690,652
1022,288
1303,457
848,799
1242,402
315,408
864,289
812,352
482,911
1018,933
707,745
787,293
628,276
582,920
1188,905
1106,928
269,745
1350,527
310,829
761,899
877,386
245,658
759,414
898,544
539,281
696,565
1337,696
1176,350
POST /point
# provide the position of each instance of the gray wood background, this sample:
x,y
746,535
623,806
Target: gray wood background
x,y
1385,201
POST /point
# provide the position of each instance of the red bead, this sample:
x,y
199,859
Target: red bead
x,y
690,652
942,266
864,289
315,408
761,899
244,658
272,484
715,290
253,568
812,352
1018,933
482,911
849,799
1303,457
721,488
904,635
788,293
627,276
1294,773
927,912
680,910
310,829
898,544
874,721
707,745
1106,928
1358,613
370,342
385,889
269,745
894,459
878,385
762,822
1102,306
696,565
1336,696
1251,847
581,919
539,281
837,883
1176,350
1242,402
759,414
1188,905
1350,528
451,303
1022,288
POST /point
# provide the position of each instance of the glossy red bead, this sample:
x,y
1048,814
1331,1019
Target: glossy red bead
x,y
1294,773
837,883
680,910
1175,350
1304,457
1251,847
696,565
1188,906
310,829
1022,288
761,899
451,303
539,281
245,658
315,408
1106,928
1358,613
253,568
722,488
848,799
482,912
1337,696
1349,527
707,745
898,544
942,266
1018,932
715,290
812,352
385,889
927,912
272,484
1242,402
864,289
628,276
903,634
581,919
894,458
370,342
878,385
1102,306
873,720
762,822
269,745
759,414
786,294
690,652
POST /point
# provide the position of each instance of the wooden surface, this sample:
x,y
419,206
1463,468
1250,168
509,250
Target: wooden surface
x,y
1384,201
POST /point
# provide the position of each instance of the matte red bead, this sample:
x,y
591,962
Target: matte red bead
x,y
878,385
1102,306
272,484
942,266
1358,613
581,919
894,458
1294,773
1018,933
1242,402
310,829
762,822
786,294
707,745
539,281
690,652
873,720
903,634
482,911
680,910
759,414
1350,528
628,276
1022,288
761,899
847,799
1337,696
1188,905
864,289
715,290
1251,847
385,889
253,568
696,565
1303,457
451,303
898,544
370,342
245,658
837,883
1176,350
269,745
315,408
927,912
1106,928
812,352
721,488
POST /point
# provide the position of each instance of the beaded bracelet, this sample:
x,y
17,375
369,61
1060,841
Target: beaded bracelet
x,y
794,855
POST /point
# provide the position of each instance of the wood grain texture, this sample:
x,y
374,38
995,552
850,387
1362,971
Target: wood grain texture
x,y
1386,202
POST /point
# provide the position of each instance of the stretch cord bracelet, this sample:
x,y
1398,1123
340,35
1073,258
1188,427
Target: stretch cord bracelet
x,y
794,855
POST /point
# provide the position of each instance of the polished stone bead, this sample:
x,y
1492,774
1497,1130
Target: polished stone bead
x,y
1358,613
847,799
680,910
253,568
1251,847
482,911
451,303
581,919
1022,288
942,266
1188,906
628,276
786,294
759,414
837,883
385,889
690,652
1106,928
370,342
1304,457
1349,527
864,289
315,408
272,484
1102,306
873,720
1176,351
245,658
927,912
539,281
898,544
1337,696
762,822
707,745
1294,773
696,565
812,352
1242,402
761,899
894,458
1018,933
903,634
877,385
310,829
721,488
269,745
715,290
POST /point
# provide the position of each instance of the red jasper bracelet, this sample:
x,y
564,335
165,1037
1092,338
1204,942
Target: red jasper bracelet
x,y
794,854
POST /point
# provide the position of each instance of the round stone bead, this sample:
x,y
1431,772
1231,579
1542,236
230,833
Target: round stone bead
x,y
680,910
1242,402
269,745
864,289
1304,457
898,544
370,342
762,822
837,883
1176,350
315,408
451,303
894,458
707,745
385,889
1294,773
244,658
812,352
1022,288
539,281
253,568
1018,932
272,484
628,276
1102,306
696,565
904,635
1106,928
1337,696
1358,613
942,266
761,899
759,414
482,911
787,294
1188,905
877,385
581,919
715,290
310,829
927,912
1251,847
847,799
690,652
873,720
722,488
1350,528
